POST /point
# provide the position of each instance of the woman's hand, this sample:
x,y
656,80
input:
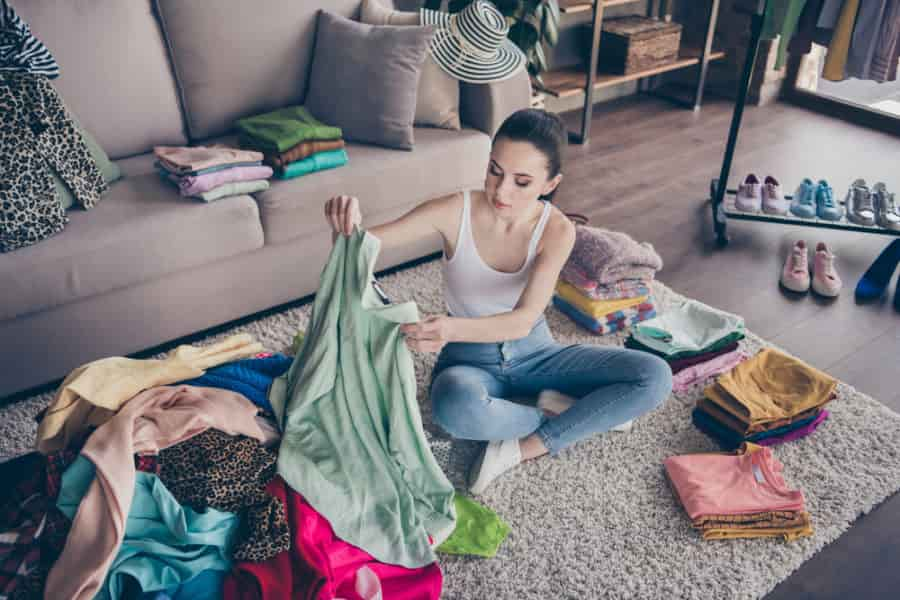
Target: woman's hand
x,y
343,214
430,334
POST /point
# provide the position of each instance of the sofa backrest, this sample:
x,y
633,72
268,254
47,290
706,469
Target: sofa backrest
x,y
114,70
234,58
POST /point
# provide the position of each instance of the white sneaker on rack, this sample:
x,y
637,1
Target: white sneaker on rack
x,y
749,195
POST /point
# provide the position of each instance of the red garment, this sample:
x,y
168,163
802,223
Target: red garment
x,y
319,566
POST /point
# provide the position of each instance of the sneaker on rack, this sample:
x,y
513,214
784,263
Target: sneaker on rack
x,y
795,274
773,201
749,195
825,280
826,208
860,208
886,213
804,203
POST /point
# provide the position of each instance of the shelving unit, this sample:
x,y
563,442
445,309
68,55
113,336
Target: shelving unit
x,y
724,209
584,79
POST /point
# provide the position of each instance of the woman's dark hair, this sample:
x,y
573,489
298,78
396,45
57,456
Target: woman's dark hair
x,y
544,130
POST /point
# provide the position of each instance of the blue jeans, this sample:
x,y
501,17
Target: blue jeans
x,y
611,385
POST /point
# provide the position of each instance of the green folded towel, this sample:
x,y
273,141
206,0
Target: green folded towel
x,y
282,129
316,162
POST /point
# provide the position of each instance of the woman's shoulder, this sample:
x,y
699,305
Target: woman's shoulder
x,y
559,228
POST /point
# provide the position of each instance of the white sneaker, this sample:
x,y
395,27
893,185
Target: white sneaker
x,y
496,459
557,403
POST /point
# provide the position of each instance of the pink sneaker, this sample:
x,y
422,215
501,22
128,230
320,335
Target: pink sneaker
x,y
773,201
795,275
749,195
825,280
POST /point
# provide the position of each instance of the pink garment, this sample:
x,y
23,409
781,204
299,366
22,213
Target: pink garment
x,y
184,159
723,363
320,566
191,185
795,434
151,421
728,484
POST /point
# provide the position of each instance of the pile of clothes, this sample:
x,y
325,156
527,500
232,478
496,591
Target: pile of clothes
x,y
293,141
605,285
741,494
768,399
212,172
214,473
697,341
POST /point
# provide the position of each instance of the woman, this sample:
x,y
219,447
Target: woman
x,y
504,248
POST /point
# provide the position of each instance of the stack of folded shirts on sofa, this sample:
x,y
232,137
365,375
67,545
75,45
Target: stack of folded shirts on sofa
x,y
293,141
696,340
769,399
738,495
211,172
605,284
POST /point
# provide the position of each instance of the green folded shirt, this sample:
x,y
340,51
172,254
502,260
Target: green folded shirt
x,y
689,327
319,161
479,531
234,188
282,129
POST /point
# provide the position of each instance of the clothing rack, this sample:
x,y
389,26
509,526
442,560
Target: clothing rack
x,y
718,187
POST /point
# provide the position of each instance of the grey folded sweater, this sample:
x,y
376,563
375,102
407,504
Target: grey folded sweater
x,y
606,256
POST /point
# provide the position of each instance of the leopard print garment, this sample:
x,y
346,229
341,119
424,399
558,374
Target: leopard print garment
x,y
37,134
230,473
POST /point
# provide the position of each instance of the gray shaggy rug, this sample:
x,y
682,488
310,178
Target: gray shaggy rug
x,y
599,520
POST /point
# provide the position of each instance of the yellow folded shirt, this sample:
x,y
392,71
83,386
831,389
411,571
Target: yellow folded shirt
x,y
92,393
598,309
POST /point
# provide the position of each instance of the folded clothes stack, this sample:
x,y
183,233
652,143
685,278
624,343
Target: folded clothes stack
x,y
738,495
605,284
293,141
768,399
212,172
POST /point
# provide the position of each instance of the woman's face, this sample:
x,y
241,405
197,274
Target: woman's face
x,y
516,177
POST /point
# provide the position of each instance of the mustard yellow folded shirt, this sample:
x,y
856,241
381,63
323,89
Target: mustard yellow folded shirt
x,y
598,309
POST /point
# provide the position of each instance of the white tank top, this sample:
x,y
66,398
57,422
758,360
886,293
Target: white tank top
x,y
474,289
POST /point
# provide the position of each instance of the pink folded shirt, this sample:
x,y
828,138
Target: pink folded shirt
x,y
727,484
723,363
183,159
191,185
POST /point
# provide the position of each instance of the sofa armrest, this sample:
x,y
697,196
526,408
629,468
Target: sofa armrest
x,y
484,106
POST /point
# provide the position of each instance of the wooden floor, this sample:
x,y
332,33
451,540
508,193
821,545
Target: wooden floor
x,y
646,171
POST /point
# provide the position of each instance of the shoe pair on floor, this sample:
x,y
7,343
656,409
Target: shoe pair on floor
x,y
871,207
796,273
753,196
873,284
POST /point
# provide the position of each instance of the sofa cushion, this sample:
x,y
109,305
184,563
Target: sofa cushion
x,y
234,58
141,231
379,177
364,79
437,97
114,70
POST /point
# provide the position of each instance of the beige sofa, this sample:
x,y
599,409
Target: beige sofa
x,y
146,266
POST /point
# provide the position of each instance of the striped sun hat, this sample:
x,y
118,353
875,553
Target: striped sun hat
x,y
471,45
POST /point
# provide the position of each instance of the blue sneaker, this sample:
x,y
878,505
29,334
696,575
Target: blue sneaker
x,y
826,208
804,203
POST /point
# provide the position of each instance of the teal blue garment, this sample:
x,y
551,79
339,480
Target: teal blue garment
x,y
205,586
352,442
687,327
165,544
319,161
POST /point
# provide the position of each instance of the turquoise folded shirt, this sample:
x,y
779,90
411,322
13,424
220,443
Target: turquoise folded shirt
x,y
282,129
352,442
165,544
688,327
319,161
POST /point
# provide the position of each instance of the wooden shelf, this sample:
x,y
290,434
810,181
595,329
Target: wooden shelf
x,y
570,81
577,6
